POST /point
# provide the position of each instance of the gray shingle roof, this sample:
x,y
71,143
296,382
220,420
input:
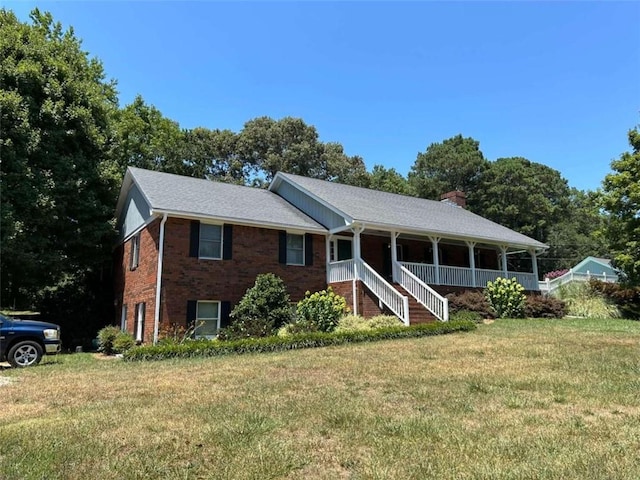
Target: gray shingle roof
x,y
412,214
204,198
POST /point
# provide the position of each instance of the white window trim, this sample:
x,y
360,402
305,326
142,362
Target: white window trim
x,y
303,249
139,333
123,317
198,319
221,240
134,261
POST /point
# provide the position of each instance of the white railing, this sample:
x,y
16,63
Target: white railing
x,y
341,271
394,300
463,277
548,286
428,297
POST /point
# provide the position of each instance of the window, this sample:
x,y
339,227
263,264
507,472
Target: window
x,y
139,327
135,252
210,241
123,318
340,249
207,319
295,249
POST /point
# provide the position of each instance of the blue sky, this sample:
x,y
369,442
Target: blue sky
x,y
555,82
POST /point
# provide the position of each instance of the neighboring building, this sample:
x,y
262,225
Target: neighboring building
x,y
197,245
591,267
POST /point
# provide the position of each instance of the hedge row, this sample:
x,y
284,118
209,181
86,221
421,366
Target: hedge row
x,y
206,348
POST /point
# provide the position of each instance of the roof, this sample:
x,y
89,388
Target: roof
x,y
404,213
193,197
605,262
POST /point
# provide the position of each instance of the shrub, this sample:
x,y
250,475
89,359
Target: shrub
x,y
626,298
470,301
106,337
506,297
555,274
322,309
123,342
296,328
247,328
466,316
265,303
541,306
209,348
356,323
582,301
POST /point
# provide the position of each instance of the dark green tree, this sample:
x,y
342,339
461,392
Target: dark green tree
x,y
455,164
389,180
145,138
621,200
525,196
56,108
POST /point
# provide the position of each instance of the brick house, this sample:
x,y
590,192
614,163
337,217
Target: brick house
x,y
190,248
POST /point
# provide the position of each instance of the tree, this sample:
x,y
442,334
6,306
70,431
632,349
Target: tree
x,y
342,168
621,200
455,164
525,196
145,138
389,180
56,109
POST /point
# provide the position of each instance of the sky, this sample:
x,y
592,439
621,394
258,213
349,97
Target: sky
x,y
555,82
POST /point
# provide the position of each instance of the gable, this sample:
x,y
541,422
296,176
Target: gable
x,y
134,214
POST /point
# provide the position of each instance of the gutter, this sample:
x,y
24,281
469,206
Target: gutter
x,y
156,315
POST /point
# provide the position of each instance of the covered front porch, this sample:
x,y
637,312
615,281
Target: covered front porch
x,y
426,267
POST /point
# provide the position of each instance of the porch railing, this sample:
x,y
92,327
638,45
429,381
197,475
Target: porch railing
x,y
341,271
394,300
423,293
463,277
548,286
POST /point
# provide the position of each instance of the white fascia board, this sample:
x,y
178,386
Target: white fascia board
x,y
239,221
540,247
280,178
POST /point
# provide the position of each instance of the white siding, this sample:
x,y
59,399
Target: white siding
x,y
135,213
310,206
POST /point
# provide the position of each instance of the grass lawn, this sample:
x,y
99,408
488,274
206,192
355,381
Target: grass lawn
x,y
516,399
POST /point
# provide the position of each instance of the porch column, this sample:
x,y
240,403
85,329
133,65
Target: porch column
x,y
436,258
356,264
394,255
472,262
503,256
534,263
328,257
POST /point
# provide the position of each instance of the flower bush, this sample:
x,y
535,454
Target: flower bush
x,y
506,297
322,309
555,274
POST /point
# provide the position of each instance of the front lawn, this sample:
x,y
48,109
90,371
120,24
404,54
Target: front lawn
x,y
516,399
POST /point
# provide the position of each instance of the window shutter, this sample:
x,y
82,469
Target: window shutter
x,y
308,249
194,239
192,306
225,312
227,236
282,247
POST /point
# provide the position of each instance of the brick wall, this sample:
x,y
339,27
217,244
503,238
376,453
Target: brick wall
x,y
254,251
139,285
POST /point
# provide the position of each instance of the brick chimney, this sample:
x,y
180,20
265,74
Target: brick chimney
x,y
455,198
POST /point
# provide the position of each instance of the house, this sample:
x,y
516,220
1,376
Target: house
x,y
189,248
591,267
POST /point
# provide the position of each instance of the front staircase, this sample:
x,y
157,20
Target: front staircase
x,y
418,313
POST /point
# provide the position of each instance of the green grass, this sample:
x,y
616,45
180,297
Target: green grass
x,y
516,399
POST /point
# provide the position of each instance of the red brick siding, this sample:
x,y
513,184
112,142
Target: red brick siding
x,y
254,251
367,302
138,285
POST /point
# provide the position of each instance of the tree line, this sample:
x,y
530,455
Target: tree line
x,y
65,144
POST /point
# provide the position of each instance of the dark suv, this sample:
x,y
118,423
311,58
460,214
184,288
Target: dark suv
x,y
23,342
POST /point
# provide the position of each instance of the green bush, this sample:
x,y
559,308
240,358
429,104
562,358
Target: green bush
x,y
264,306
356,323
322,309
247,328
542,306
123,342
583,301
506,297
296,328
106,337
470,301
211,348
466,316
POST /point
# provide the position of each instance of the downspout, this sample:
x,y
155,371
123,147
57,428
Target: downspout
x,y
156,315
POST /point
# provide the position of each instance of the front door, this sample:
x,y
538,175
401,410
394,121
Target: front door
x,y
401,253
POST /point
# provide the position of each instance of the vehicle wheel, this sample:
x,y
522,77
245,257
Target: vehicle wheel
x,y
25,354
